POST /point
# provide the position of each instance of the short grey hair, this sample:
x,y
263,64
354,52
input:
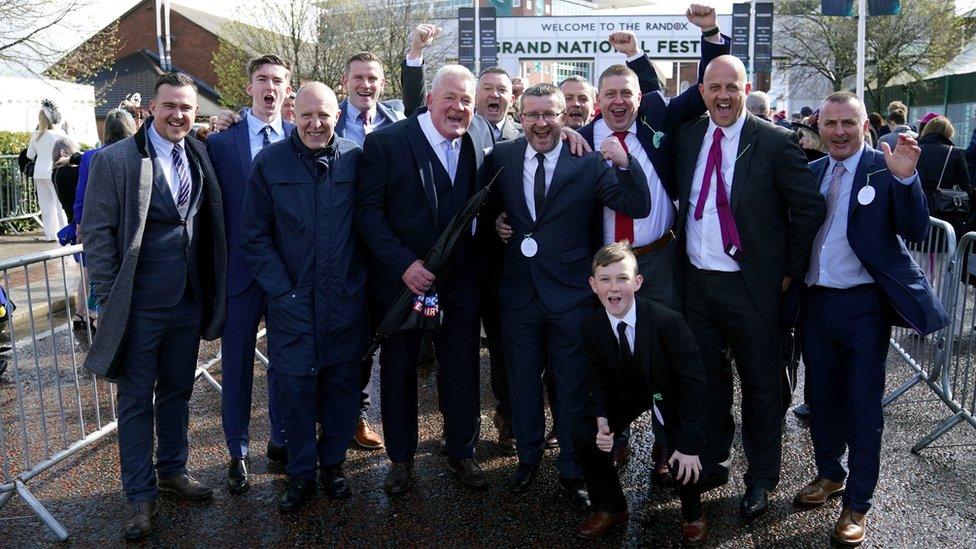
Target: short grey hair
x,y
453,71
845,96
544,89
587,85
119,125
757,103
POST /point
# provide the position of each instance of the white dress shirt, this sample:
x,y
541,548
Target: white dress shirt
x,y
164,155
630,318
436,140
839,265
705,248
255,132
528,174
650,228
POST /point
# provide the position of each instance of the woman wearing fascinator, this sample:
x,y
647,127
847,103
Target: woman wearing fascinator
x,y
40,149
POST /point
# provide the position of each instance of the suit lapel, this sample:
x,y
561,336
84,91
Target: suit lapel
x,y
864,167
743,156
642,343
612,347
560,176
242,139
340,127
692,147
416,140
516,168
387,112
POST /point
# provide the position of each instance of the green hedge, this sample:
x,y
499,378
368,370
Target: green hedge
x,y
13,142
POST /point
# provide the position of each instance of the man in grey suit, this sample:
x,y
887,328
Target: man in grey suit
x,y
154,238
551,198
362,110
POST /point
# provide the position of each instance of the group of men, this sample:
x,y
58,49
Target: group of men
x,y
709,230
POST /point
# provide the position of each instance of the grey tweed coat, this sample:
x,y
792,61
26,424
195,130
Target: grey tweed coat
x,y
116,204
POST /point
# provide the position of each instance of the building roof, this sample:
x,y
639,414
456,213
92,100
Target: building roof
x,y
138,73
963,63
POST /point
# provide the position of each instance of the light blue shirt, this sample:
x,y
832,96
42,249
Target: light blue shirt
x,y
839,266
255,135
164,155
354,126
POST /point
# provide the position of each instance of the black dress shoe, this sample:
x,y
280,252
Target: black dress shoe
x,y
398,480
140,520
237,476
334,482
185,486
753,503
576,493
298,492
523,477
468,472
278,454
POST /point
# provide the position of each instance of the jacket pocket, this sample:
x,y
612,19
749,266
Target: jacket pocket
x,y
294,204
291,331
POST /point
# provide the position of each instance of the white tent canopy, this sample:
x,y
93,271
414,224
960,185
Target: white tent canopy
x,y
20,101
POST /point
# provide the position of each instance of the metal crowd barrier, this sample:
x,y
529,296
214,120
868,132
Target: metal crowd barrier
x,y
925,356
50,407
18,194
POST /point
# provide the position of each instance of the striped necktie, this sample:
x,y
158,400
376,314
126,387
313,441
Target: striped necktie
x,y
183,196
833,193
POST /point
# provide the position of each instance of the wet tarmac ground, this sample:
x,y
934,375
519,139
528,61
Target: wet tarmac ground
x,y
922,501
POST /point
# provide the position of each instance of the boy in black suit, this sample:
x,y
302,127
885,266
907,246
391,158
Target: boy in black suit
x,y
641,356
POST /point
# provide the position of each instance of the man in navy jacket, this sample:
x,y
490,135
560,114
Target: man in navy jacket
x,y
231,153
861,280
297,235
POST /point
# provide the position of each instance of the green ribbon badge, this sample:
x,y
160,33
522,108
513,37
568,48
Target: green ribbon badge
x,y
658,397
658,136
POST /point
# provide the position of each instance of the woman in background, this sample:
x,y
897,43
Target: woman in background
x,y
40,149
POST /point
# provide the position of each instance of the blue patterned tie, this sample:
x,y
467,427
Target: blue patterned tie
x,y
183,196
266,140
451,155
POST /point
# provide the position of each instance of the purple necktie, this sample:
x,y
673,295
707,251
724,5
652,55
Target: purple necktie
x,y
713,164
183,195
366,119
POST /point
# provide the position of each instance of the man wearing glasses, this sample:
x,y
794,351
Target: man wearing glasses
x,y
549,195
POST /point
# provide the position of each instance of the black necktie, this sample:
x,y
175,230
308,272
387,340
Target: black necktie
x,y
539,190
626,357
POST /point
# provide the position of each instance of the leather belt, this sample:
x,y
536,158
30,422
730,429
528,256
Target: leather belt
x,y
658,244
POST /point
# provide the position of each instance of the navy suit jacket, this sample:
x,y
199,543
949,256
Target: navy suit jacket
x,y
395,215
897,211
230,155
658,113
392,111
559,271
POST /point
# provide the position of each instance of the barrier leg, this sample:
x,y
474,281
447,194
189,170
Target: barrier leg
x,y
938,432
41,512
901,390
5,497
202,372
260,356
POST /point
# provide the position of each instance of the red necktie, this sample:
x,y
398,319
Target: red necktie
x,y
623,224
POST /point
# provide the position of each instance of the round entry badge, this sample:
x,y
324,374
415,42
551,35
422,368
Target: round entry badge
x,y
529,247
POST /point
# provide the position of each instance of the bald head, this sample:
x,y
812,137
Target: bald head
x,y
724,89
316,114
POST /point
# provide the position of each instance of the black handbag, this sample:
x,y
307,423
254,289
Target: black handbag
x,y
948,201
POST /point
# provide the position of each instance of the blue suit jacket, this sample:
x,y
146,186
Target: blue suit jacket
x,y
230,154
658,113
884,256
559,271
392,111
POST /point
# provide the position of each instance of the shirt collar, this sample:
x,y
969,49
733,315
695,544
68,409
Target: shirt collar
x,y
630,317
353,113
551,156
163,146
632,129
256,125
850,163
732,131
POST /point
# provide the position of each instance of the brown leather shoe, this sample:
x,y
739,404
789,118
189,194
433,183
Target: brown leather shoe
x,y
506,440
817,492
600,524
850,528
365,437
186,487
620,454
140,520
694,533
662,473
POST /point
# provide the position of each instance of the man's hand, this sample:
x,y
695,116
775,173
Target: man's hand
x,y
418,278
577,145
604,438
422,37
689,467
787,280
624,42
701,16
504,231
902,161
225,119
614,152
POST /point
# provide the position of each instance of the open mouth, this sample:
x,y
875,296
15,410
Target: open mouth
x,y
576,113
176,123
724,107
269,101
614,300
493,107
542,133
618,113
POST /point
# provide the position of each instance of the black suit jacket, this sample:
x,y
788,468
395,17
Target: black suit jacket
x,y
395,214
667,353
776,203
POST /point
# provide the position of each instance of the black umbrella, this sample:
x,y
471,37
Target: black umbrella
x,y
412,312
